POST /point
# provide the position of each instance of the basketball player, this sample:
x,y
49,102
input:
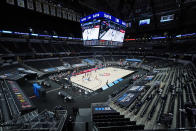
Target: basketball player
x,y
87,74
107,83
77,70
90,75
89,78
74,72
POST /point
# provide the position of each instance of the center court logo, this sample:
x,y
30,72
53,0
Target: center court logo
x,y
105,74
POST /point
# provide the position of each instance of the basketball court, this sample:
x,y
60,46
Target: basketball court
x,y
101,78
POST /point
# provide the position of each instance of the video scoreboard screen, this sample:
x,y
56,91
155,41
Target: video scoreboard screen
x,y
144,22
167,18
111,31
90,30
103,30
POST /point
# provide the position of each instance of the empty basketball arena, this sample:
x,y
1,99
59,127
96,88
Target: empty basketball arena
x,y
98,65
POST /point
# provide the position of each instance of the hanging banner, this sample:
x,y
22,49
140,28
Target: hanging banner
x,y
69,16
74,17
11,2
46,8
30,4
38,6
53,10
78,18
21,3
64,13
59,12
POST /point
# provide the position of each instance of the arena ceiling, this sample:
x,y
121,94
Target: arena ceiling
x,y
127,8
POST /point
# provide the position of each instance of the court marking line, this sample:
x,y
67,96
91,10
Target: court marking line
x,y
53,90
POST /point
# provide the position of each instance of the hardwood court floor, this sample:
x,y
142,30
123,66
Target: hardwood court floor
x,y
97,79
